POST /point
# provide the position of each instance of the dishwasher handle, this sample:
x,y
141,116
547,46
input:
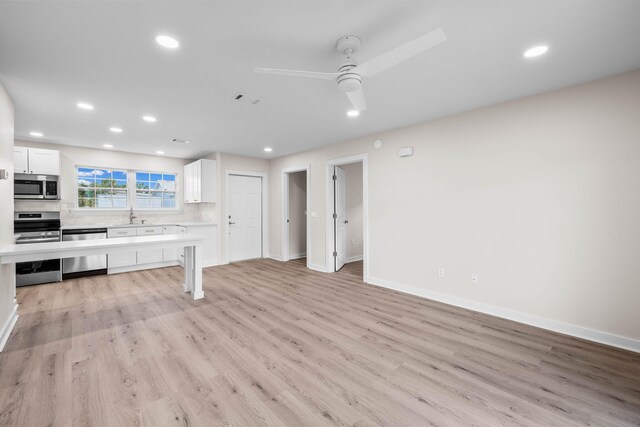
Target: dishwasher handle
x,y
84,231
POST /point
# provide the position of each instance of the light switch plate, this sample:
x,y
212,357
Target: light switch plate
x,y
4,174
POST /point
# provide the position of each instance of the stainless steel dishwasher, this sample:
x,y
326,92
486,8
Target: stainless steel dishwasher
x,y
85,265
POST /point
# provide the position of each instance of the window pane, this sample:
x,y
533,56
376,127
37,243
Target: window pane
x,y
103,173
103,202
86,193
85,172
156,177
155,202
86,203
167,185
168,203
119,184
166,177
141,176
84,182
119,203
120,175
142,203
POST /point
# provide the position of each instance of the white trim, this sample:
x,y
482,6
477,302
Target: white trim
x,y
285,209
516,316
364,158
298,256
354,258
5,332
137,267
318,267
265,210
277,258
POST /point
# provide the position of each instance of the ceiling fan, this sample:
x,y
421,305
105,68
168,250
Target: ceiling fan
x,y
349,75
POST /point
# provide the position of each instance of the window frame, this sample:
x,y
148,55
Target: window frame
x,y
131,192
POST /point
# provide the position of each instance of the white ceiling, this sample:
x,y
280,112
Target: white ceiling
x,y
54,54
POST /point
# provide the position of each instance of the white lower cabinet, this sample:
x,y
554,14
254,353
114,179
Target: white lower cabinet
x,y
170,254
209,244
149,255
121,259
151,258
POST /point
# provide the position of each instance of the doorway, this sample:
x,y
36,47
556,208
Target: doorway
x,y
295,206
245,217
347,213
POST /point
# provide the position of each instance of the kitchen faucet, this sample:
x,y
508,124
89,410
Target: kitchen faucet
x,y
131,216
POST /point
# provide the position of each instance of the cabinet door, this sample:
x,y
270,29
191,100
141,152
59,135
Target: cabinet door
x,y
181,230
121,259
20,160
149,255
196,174
188,194
170,254
44,162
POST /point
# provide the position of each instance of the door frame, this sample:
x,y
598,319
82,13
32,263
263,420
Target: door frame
x,y
265,206
329,231
285,209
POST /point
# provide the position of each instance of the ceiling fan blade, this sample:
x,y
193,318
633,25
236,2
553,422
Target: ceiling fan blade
x,y
400,53
357,100
296,73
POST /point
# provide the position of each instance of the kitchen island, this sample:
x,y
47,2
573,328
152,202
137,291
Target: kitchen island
x,y
191,243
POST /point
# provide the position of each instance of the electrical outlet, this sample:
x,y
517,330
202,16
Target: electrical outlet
x,y
474,279
441,273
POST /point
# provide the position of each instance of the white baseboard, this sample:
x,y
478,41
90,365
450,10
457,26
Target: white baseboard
x,y
517,316
276,257
354,258
318,267
8,326
298,256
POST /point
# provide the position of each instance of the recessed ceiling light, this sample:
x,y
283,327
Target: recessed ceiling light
x,y
85,106
160,152
268,149
36,134
353,113
149,119
536,51
107,146
116,130
167,41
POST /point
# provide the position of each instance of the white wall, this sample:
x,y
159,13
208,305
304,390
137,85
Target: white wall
x,y
72,156
353,191
539,197
297,215
7,273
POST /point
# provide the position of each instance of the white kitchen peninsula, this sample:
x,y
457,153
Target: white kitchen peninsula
x,y
191,243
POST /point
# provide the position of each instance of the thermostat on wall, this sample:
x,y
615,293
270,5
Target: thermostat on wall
x,y
405,152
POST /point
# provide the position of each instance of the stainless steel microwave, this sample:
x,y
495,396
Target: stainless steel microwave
x,y
36,187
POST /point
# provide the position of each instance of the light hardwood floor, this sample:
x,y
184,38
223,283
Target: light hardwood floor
x,y
276,344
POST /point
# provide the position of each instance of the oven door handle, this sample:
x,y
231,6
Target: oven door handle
x,y
39,240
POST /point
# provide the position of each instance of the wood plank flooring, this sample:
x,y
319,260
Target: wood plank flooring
x,y
276,344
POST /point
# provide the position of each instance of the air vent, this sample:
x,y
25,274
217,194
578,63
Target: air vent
x,y
247,99
180,141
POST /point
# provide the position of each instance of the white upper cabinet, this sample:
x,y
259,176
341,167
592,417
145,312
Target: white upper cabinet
x,y
200,181
36,161
20,160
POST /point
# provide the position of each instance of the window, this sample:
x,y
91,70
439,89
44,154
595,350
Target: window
x,y
155,190
102,188
123,189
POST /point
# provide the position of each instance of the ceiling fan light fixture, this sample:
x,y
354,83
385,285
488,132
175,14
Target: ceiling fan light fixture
x,y
353,113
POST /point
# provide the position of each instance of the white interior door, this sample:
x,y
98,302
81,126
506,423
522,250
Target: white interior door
x,y
245,217
340,218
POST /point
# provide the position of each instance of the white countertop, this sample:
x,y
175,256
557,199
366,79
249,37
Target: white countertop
x,y
73,248
153,224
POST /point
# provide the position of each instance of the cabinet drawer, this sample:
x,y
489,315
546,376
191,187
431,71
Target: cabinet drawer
x,y
149,231
121,232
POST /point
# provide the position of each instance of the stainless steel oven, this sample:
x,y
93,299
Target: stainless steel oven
x,y
38,187
37,227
